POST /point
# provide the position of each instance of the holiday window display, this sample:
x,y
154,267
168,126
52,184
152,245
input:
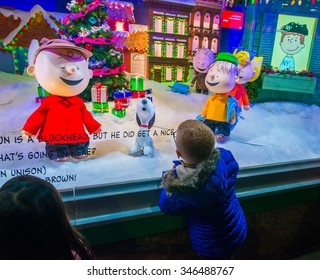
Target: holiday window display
x,y
87,26
110,147
219,112
62,117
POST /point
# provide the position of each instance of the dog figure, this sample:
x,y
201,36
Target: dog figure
x,y
145,118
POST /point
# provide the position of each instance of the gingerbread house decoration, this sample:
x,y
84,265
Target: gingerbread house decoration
x,y
136,49
24,27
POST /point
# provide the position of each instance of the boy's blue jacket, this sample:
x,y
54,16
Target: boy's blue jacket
x,y
206,196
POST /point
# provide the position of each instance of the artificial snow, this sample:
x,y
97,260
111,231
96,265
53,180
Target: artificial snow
x,y
272,132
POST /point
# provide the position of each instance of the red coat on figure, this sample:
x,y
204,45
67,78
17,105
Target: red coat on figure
x,y
61,120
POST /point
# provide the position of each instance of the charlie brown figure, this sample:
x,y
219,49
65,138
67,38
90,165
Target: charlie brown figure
x,y
219,111
61,68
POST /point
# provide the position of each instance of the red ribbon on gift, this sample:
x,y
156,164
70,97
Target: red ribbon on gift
x,y
98,88
119,106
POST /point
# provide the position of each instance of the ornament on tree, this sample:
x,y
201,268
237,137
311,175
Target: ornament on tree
x,y
88,47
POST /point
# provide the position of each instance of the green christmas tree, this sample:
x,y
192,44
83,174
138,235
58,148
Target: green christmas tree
x,y
87,27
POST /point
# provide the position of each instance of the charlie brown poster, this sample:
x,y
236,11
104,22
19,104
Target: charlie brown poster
x,y
293,43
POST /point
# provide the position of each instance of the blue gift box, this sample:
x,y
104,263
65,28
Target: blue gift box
x,y
122,93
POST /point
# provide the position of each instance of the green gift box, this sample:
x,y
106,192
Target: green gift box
x,y
98,107
119,113
136,83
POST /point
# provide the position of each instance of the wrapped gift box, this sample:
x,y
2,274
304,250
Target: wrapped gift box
x,y
136,83
138,94
99,93
141,93
122,93
122,96
119,110
100,107
99,97
125,101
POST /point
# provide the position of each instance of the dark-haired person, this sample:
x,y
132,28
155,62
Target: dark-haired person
x,y
34,224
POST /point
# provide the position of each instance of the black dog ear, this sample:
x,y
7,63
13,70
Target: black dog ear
x,y
151,122
138,120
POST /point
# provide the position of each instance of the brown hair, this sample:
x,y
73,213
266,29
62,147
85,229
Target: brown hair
x,y
293,33
195,141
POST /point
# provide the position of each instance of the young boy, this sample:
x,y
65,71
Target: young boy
x,y
201,186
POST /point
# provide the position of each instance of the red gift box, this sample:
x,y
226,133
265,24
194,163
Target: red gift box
x,y
125,101
138,94
118,106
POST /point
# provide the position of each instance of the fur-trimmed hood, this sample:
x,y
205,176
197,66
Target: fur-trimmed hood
x,y
186,179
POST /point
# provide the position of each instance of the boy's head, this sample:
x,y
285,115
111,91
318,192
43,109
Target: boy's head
x,y
194,141
223,73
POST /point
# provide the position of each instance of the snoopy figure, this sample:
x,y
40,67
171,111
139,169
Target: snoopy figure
x,y
145,118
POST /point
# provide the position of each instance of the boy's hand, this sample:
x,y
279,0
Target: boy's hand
x,y
246,108
233,121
